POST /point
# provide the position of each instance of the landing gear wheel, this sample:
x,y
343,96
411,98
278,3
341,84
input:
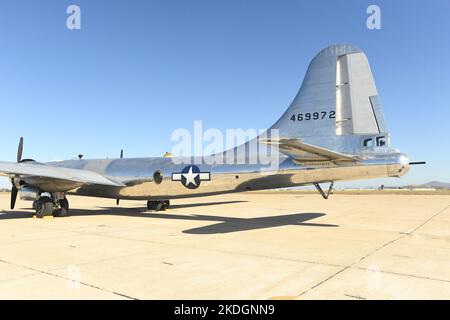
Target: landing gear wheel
x,y
158,205
63,203
44,207
62,212
151,205
63,208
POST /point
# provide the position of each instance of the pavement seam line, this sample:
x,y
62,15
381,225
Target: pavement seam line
x,y
376,250
403,235
429,219
225,251
21,277
323,281
62,277
404,274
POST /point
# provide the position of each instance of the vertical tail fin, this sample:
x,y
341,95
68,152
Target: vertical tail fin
x,y
338,97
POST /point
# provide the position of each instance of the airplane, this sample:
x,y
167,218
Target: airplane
x,y
334,130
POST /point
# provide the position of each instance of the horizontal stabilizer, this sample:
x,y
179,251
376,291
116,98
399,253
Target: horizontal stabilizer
x,y
303,152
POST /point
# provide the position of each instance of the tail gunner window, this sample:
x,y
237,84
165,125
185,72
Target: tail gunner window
x,y
368,143
381,141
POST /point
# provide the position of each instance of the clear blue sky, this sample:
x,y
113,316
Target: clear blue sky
x,y
137,70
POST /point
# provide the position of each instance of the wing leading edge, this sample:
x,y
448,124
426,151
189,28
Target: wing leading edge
x,y
45,173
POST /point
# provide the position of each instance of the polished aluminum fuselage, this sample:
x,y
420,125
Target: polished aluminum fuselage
x,y
137,174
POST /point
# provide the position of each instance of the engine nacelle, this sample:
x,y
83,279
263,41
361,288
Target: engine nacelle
x,y
28,193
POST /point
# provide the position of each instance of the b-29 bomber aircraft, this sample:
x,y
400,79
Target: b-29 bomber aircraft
x,y
334,130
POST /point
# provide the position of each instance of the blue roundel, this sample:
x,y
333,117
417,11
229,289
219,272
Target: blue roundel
x,y
190,177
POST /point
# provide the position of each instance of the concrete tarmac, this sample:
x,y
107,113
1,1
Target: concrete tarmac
x,y
239,246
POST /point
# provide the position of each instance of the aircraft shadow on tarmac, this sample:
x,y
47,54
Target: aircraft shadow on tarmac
x,y
231,224
224,225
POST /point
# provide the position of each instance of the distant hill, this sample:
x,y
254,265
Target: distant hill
x,y
431,184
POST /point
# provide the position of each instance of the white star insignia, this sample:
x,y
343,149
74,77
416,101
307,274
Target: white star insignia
x,y
190,177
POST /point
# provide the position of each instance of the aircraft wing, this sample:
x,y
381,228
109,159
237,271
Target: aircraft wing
x,y
304,152
38,173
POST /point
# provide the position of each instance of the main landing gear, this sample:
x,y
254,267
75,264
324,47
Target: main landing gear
x,y
319,188
54,204
158,205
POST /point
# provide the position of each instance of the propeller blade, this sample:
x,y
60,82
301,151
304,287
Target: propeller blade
x,y
20,150
13,196
117,201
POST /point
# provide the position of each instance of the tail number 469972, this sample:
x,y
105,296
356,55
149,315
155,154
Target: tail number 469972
x,y
313,116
